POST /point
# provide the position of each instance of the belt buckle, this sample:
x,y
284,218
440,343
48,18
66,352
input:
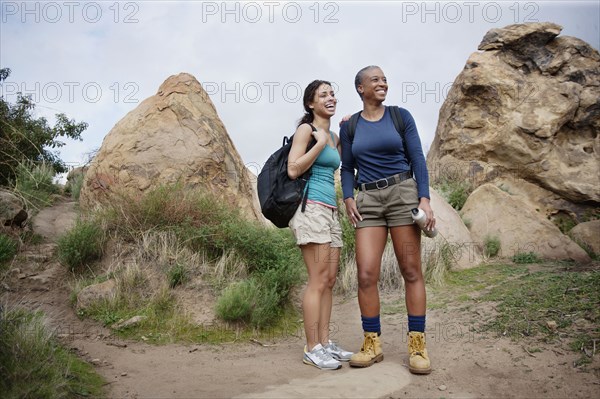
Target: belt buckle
x,y
386,184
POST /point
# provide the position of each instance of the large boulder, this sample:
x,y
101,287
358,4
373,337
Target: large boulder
x,y
453,234
12,209
587,235
172,137
527,106
524,115
519,227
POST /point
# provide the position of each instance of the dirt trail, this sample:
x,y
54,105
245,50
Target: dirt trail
x,y
465,364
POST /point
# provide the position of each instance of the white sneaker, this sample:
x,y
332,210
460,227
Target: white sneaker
x,y
320,358
338,353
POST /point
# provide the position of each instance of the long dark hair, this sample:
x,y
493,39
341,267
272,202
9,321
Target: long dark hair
x,y
309,97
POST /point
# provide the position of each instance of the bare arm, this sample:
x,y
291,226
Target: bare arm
x,y
299,161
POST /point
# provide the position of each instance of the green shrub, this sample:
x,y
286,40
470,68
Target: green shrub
x,y
178,274
273,260
238,301
491,246
590,214
8,249
454,190
33,182
261,248
255,301
525,257
81,245
167,208
268,306
564,222
207,225
34,365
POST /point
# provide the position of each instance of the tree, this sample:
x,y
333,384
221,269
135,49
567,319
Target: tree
x,y
23,137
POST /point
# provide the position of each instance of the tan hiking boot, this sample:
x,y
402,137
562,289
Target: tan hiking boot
x,y
370,352
419,360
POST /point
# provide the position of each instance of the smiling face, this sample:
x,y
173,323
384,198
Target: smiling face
x,y
373,86
324,101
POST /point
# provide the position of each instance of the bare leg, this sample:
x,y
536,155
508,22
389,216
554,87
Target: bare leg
x,y
370,243
333,261
318,267
407,247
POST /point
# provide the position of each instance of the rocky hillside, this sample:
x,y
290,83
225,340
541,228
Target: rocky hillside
x,y
524,116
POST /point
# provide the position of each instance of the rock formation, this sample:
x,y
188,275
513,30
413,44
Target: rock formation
x,y
173,136
92,294
520,229
464,251
587,235
12,209
524,114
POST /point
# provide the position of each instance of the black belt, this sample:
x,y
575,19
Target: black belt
x,y
385,182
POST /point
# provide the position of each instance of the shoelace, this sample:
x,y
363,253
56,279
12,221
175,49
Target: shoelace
x,y
368,345
323,355
334,347
417,345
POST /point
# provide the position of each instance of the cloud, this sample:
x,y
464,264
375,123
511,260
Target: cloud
x,y
254,58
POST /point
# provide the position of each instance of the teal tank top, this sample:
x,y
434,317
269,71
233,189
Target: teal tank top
x,y
321,185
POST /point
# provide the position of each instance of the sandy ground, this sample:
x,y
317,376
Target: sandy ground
x,y
466,364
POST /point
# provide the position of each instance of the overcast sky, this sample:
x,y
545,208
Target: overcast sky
x,y
96,61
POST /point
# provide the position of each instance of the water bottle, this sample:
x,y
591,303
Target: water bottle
x,y
420,219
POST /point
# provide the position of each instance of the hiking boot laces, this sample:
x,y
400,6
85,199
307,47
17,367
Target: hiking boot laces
x,y
368,345
417,345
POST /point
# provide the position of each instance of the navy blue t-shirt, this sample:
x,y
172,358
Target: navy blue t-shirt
x,y
378,152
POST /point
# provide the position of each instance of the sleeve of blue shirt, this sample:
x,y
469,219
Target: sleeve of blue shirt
x,y
413,145
417,159
347,173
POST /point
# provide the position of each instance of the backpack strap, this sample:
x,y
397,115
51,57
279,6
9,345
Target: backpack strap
x,y
400,128
305,194
352,126
396,118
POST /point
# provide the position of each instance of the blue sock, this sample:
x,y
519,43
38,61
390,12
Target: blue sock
x,y
416,323
371,324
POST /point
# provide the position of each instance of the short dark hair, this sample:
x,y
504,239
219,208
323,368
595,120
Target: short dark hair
x,y
359,77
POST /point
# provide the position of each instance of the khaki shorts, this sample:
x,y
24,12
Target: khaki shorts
x,y
317,224
389,206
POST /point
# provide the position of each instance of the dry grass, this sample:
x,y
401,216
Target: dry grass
x,y
436,260
33,364
228,268
177,236
390,278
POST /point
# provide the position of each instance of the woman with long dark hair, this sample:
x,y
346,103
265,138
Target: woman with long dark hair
x,y
317,230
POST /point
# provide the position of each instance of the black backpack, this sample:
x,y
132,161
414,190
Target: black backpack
x,y
280,196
